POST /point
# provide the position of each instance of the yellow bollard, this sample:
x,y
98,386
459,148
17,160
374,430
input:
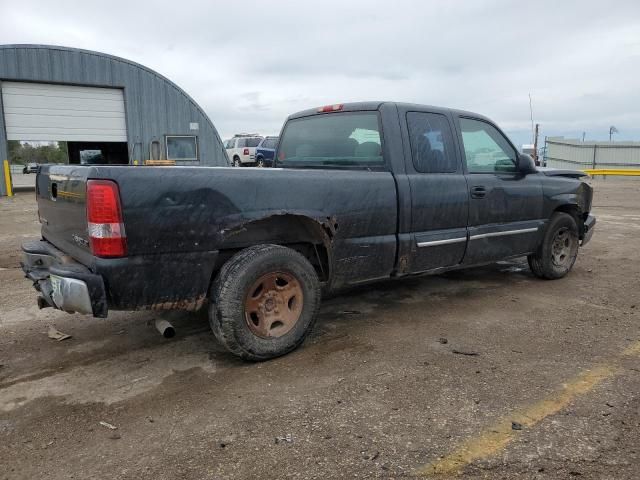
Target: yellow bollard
x,y
7,178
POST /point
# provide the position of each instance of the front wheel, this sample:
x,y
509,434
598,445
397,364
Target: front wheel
x,y
260,162
559,249
264,302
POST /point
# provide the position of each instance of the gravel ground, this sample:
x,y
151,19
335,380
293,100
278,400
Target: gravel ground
x,y
397,380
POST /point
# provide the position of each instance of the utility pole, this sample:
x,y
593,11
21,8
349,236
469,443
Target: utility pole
x,y
535,145
531,112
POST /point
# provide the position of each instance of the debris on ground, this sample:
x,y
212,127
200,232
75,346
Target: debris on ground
x,y
516,426
225,441
108,425
443,340
370,456
55,334
115,436
288,438
463,352
350,312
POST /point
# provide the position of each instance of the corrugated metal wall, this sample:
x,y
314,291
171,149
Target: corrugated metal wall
x,y
154,105
568,153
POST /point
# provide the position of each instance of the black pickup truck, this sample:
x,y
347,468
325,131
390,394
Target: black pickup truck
x,y
366,191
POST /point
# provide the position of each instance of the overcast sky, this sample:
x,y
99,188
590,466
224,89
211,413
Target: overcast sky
x,y
250,64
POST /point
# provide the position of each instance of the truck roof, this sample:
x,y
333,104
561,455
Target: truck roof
x,y
375,105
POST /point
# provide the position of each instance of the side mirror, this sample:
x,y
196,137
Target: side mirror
x,y
526,165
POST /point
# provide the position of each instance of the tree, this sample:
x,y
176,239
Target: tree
x,y
38,152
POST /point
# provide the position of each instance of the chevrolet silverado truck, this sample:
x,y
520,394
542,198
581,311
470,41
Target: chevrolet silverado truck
x,y
363,192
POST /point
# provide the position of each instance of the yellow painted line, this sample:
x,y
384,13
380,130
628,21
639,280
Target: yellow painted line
x,y
625,172
495,438
632,351
7,178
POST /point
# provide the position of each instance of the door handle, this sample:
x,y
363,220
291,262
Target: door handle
x,y
478,192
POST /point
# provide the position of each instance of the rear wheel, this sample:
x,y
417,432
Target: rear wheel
x,y
559,249
260,162
236,162
264,302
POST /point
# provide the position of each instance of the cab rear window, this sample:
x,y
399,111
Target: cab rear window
x,y
336,139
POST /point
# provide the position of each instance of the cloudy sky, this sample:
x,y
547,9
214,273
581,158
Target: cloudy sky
x,y
250,64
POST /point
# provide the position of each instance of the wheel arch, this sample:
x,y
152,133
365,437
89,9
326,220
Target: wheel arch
x,y
309,236
576,212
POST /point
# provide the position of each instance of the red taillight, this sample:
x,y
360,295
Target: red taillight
x,y
245,151
104,218
331,108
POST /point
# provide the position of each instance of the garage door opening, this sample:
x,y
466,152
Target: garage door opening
x,y
25,156
98,153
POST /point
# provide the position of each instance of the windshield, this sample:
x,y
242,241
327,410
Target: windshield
x,y
341,139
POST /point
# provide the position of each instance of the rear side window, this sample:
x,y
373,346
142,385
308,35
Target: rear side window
x,y
432,147
252,142
340,139
270,143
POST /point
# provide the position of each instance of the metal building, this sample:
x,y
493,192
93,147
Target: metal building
x,y
107,109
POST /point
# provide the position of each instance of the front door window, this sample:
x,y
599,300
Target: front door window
x,y
485,148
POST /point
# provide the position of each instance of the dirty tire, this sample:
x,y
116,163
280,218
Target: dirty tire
x,y
236,162
231,288
559,248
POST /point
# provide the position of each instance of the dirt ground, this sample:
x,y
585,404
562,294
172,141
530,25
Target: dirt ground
x,y
488,373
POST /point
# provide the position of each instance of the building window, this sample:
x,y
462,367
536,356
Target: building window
x,y
182,147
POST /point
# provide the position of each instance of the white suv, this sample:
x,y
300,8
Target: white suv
x,y
241,149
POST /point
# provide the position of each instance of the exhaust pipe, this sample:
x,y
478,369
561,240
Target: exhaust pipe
x,y
165,328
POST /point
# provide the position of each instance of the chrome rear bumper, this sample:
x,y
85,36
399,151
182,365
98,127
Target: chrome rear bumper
x,y
62,282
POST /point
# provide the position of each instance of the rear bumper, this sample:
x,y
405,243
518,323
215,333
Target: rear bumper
x,y
162,281
589,225
62,282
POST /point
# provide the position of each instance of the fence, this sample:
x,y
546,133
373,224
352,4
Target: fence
x,y
567,153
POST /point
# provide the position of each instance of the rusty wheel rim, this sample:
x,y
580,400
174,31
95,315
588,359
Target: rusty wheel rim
x,y
273,304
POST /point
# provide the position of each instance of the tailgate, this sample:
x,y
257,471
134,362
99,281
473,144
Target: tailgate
x,y
61,195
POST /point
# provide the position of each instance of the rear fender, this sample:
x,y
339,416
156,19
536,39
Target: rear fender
x,y
285,229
